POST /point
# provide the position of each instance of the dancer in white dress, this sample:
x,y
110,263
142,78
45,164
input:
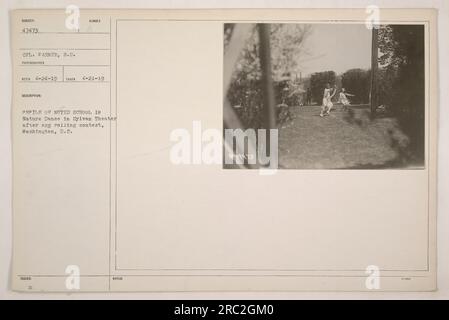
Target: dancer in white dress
x,y
327,100
343,98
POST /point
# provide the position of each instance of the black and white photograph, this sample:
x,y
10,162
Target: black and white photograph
x,y
342,96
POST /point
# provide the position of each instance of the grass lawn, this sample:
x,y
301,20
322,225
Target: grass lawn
x,y
342,140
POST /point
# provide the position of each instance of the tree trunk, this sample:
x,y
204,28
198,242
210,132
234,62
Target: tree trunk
x,y
374,69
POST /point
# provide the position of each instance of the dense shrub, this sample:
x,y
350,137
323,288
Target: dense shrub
x,y
358,83
318,82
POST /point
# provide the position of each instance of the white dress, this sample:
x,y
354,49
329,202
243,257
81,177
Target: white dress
x,y
327,98
343,99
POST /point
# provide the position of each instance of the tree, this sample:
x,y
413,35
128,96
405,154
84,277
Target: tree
x,y
402,62
287,45
357,82
318,82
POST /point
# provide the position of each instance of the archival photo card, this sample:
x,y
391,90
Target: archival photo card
x,y
151,148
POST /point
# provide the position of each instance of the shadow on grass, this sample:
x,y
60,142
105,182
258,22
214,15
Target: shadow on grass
x,y
396,163
397,139
361,118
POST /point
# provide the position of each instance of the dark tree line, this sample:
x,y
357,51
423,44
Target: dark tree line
x,y
318,82
358,83
355,81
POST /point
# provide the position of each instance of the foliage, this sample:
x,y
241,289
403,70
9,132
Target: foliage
x,y
402,63
358,83
245,94
287,45
318,82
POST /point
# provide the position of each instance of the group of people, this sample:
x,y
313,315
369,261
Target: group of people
x,y
329,93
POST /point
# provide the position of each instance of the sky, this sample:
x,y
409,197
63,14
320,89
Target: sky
x,y
337,47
